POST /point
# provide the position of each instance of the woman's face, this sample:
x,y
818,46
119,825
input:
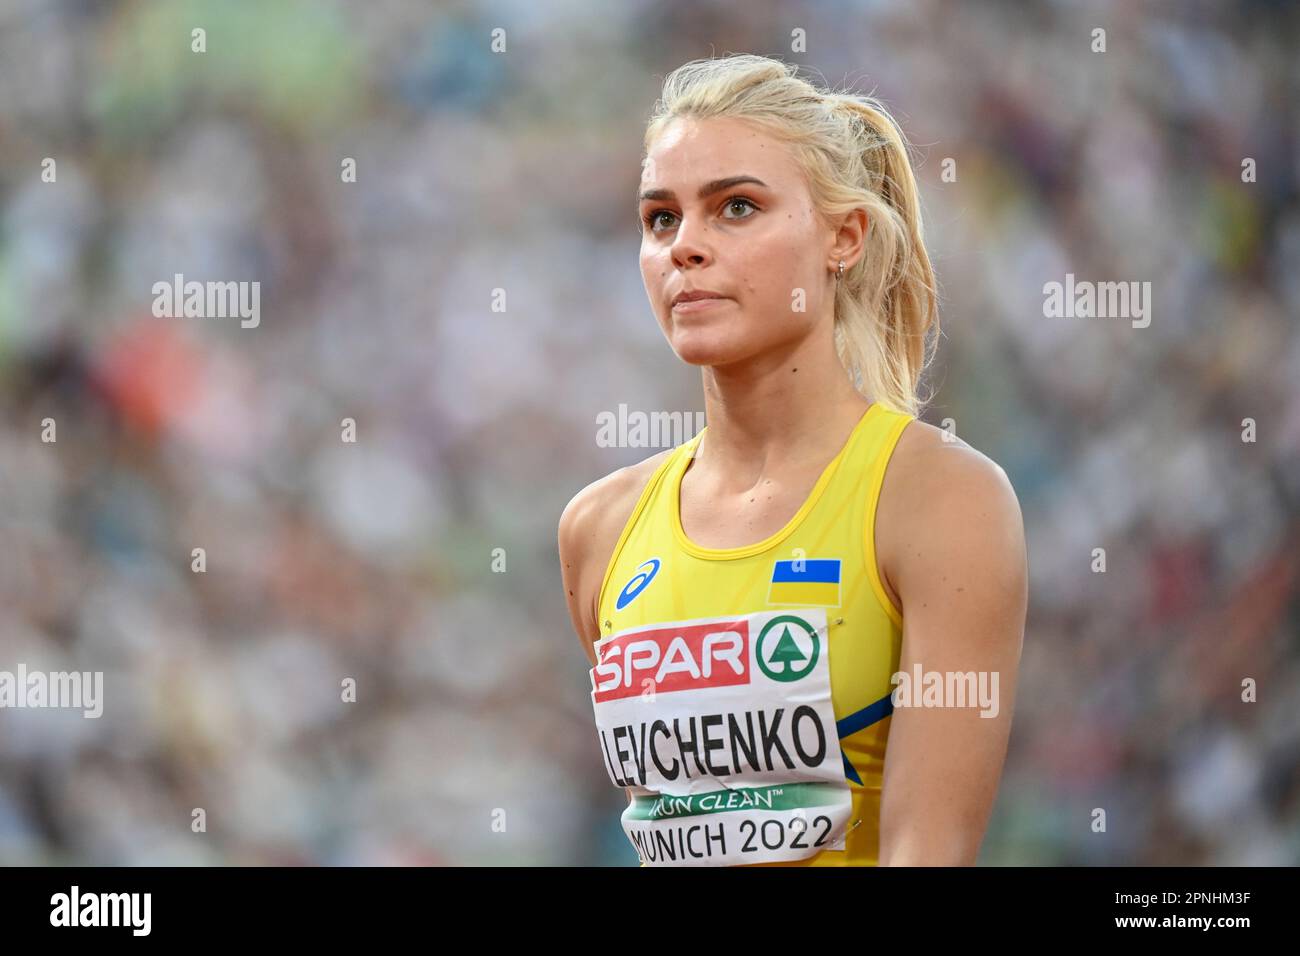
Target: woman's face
x,y
724,208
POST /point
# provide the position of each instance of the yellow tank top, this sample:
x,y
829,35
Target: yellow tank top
x,y
743,694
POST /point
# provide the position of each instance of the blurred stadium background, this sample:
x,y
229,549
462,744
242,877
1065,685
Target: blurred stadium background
x,y
516,170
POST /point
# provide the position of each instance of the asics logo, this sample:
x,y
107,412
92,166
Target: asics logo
x,y
640,581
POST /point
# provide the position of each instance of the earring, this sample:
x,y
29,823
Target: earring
x,y
840,275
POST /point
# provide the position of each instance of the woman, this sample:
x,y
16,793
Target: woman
x,y
766,607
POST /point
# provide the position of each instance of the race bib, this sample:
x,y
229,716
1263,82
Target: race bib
x,y
724,729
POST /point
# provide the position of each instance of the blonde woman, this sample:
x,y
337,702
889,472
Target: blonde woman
x,y
804,624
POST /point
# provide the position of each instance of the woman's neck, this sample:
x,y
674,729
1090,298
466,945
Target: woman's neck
x,y
776,411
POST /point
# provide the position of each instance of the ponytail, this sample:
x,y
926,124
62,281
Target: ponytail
x,y
886,306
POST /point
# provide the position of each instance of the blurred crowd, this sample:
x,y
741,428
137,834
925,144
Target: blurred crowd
x,y
375,664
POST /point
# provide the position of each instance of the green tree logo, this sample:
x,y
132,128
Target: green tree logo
x,y
783,663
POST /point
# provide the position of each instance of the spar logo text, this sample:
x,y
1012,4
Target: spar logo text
x,y
672,658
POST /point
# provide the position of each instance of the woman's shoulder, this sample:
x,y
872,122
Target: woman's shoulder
x,y
939,459
940,494
589,529
609,500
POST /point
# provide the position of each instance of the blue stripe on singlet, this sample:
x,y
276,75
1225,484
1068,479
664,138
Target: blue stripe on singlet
x,y
860,720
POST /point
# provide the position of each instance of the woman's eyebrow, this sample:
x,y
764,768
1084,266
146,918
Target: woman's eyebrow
x,y
707,190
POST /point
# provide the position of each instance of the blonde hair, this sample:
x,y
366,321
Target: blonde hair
x,y
853,155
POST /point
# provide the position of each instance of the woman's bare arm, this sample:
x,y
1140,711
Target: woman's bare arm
x,y
951,539
588,531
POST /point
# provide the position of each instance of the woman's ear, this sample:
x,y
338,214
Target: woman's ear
x,y
850,238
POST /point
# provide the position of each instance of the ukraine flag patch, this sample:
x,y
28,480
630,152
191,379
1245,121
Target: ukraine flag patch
x,y
806,581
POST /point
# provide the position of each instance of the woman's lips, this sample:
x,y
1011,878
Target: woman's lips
x,y
699,305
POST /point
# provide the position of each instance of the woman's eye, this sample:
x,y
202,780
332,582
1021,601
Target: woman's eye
x,y
651,220
731,203
654,217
